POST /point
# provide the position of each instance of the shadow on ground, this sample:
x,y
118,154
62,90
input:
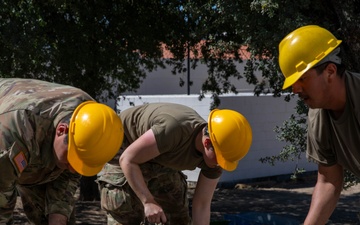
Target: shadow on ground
x,y
290,204
287,199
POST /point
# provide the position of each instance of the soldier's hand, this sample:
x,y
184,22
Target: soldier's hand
x,y
154,213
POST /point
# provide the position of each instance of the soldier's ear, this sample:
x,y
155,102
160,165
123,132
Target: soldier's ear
x,y
208,144
62,128
331,70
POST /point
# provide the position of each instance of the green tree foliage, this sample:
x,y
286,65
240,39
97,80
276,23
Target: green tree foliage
x,y
94,45
110,45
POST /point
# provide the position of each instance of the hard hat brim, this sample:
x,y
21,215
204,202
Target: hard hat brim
x,y
291,80
80,167
226,165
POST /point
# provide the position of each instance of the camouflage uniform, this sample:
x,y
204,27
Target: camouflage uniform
x,y
29,113
175,128
168,186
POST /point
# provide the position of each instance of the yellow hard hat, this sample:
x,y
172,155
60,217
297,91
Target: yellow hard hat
x,y
231,137
95,136
302,49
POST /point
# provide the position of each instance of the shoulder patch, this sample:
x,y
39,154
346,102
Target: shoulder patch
x,y
20,161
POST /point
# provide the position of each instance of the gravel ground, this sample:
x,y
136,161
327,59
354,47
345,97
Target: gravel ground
x,y
284,198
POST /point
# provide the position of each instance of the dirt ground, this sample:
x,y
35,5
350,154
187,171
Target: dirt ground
x,y
285,198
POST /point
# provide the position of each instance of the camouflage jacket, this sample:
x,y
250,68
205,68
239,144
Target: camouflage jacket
x,y
29,113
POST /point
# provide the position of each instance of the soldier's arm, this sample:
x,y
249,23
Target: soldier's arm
x,y
60,196
13,160
326,194
201,203
141,151
8,194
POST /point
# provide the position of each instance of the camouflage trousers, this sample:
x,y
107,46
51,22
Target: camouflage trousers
x,y
169,188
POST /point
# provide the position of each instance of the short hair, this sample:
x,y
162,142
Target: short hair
x,y
206,131
66,119
340,68
333,57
